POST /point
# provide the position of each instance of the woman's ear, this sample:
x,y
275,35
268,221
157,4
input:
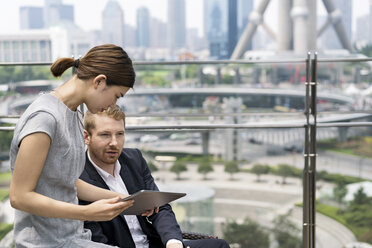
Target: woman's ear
x,y
98,80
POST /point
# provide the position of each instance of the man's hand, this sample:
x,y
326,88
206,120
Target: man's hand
x,y
148,213
175,245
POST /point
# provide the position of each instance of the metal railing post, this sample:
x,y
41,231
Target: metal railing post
x,y
309,174
305,180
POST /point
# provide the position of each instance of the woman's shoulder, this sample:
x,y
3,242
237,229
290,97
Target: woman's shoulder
x,y
45,102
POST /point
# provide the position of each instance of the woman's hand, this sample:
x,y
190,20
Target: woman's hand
x,y
106,209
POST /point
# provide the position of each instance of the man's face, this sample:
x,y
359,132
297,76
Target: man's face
x,y
105,141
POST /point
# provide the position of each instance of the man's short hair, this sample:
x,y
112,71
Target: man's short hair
x,y
112,112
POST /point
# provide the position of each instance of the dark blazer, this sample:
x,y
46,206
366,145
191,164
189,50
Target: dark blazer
x,y
136,176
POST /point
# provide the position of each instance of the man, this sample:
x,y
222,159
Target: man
x,y
110,166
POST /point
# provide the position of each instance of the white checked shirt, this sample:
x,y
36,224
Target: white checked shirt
x,y
115,183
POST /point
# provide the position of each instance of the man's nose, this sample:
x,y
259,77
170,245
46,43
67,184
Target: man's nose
x,y
113,140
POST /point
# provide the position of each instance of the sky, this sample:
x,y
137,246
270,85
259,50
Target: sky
x,y
89,18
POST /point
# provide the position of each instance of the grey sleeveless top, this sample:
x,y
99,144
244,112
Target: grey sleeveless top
x,y
64,164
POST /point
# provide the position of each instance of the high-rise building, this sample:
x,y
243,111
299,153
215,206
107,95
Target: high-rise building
x,y
143,27
31,17
370,21
363,29
158,30
55,12
221,26
232,34
176,24
113,23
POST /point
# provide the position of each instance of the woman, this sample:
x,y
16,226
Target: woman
x,y
47,153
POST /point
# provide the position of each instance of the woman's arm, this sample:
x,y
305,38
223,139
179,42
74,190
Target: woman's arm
x,y
29,163
91,193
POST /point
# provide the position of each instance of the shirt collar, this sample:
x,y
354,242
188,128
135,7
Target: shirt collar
x,y
104,174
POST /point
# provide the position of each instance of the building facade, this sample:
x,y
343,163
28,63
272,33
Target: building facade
x,y
31,17
113,23
143,27
176,24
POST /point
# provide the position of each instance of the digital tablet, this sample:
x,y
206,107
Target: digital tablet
x,y
148,199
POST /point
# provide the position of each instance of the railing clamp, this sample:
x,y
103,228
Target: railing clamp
x,y
311,155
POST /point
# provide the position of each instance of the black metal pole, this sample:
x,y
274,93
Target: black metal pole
x,y
305,179
313,154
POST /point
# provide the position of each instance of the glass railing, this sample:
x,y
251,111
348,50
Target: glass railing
x,y
233,135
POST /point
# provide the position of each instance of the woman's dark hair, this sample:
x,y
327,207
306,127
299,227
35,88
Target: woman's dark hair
x,y
109,60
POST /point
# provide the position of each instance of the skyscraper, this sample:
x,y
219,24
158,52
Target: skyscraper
x,y
176,24
221,26
113,23
31,17
232,26
143,30
55,12
158,30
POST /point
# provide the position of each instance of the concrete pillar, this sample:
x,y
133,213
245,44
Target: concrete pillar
x,y
217,79
285,34
237,76
255,19
201,75
299,15
205,142
312,25
342,133
335,15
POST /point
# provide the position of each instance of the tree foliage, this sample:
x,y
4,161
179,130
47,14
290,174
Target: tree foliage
x,y
259,170
284,171
248,235
23,73
204,167
5,140
152,166
178,167
286,233
339,192
232,167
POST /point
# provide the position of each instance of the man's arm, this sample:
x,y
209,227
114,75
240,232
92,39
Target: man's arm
x,y
165,221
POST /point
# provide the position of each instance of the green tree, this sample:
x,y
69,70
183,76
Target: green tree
x,y
205,166
366,50
286,233
5,140
339,192
152,166
360,198
232,167
259,170
284,171
248,235
178,167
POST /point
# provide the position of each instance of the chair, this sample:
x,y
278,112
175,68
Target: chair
x,y
194,236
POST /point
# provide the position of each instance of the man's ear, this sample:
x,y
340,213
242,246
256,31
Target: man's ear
x,y
86,137
99,80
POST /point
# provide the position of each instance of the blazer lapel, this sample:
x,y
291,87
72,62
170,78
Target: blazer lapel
x,y
96,179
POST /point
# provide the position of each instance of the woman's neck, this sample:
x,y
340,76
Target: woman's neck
x,y
71,93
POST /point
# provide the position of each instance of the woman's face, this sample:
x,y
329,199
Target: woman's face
x,y
105,96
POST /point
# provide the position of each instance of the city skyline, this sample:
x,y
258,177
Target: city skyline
x,y
92,19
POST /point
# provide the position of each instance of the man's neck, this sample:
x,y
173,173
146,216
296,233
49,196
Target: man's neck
x,y
109,168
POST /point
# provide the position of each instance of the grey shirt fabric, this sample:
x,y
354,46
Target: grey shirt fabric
x,y
64,164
